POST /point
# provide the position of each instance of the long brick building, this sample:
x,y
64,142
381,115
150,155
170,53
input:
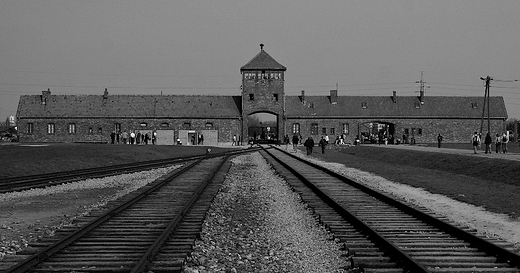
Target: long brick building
x,y
183,118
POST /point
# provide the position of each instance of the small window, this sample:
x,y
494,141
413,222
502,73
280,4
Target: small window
x,y
165,124
296,128
474,105
314,128
186,125
406,131
251,96
30,128
419,131
332,131
417,105
144,124
364,105
90,130
275,96
324,130
72,128
209,125
345,128
51,128
117,127
100,131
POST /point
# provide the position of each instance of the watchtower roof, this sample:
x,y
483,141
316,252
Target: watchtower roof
x,y
263,61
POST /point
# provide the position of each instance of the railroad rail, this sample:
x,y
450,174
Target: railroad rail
x,y
22,183
152,229
382,234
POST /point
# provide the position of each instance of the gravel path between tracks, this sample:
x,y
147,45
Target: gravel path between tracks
x,y
257,224
492,225
30,215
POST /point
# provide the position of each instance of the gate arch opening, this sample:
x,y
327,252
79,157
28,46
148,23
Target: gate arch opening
x,y
263,127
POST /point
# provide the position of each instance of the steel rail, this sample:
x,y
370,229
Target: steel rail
x,y
47,252
500,253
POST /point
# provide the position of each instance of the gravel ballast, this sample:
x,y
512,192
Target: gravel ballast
x,y
257,224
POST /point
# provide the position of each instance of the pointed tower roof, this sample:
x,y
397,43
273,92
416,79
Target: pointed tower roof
x,y
263,61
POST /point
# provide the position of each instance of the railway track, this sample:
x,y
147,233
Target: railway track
x,y
381,234
22,183
152,229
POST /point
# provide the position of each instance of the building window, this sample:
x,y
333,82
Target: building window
x,y
364,105
186,125
314,128
117,127
474,105
30,128
406,131
333,131
296,128
419,131
209,125
144,124
90,130
51,129
100,131
417,105
345,129
324,130
165,124
251,96
275,96
72,128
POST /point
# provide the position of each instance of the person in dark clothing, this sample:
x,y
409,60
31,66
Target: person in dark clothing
x,y
295,141
488,142
322,144
113,136
309,144
439,140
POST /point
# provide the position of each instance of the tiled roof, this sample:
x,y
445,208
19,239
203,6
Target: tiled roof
x,y
130,106
384,107
263,61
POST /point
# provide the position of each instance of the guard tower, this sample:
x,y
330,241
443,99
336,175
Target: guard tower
x,y
263,90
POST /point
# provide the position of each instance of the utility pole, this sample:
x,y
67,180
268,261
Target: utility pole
x,y
421,84
488,79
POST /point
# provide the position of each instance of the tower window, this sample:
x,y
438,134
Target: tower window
x,y
275,96
251,96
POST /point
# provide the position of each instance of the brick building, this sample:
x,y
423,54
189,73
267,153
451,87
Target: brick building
x,y
91,118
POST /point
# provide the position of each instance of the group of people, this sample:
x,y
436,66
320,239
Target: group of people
x,y
134,137
500,142
308,143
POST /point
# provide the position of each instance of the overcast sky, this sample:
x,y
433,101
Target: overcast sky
x,y
198,47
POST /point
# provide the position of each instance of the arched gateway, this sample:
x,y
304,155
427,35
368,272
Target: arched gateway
x,y
262,92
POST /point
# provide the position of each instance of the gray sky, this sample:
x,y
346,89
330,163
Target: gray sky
x,y
197,47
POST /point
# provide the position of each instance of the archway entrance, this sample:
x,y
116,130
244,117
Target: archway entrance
x,y
263,127
376,132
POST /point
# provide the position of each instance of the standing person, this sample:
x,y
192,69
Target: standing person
x,y
132,137
327,139
113,136
286,141
146,138
154,137
439,140
309,144
498,142
138,138
201,139
117,136
475,140
505,140
234,140
322,144
124,136
487,142
295,140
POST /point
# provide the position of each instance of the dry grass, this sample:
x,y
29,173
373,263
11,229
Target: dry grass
x,y
490,183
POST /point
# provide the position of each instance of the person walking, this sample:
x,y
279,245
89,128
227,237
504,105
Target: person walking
x,y
475,140
295,141
113,137
322,144
439,140
286,141
487,142
498,142
309,145
505,140
124,137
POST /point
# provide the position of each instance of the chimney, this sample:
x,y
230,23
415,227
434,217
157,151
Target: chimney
x,y
303,97
421,97
394,96
45,95
105,94
334,96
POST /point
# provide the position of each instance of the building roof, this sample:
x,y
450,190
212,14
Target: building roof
x,y
384,107
263,61
146,106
